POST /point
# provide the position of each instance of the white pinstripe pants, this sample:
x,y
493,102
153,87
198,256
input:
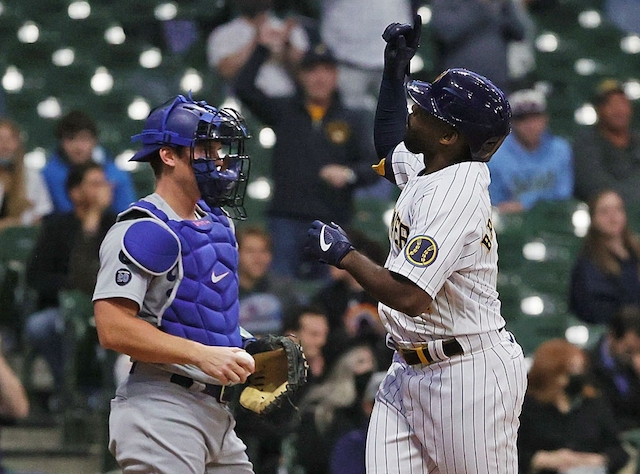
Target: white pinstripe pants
x,y
457,416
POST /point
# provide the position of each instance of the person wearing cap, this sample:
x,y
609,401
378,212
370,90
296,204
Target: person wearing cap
x,y
532,165
607,154
323,152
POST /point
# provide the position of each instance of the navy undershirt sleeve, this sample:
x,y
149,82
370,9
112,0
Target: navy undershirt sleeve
x,y
391,116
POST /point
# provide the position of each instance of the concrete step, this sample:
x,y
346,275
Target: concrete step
x,y
72,445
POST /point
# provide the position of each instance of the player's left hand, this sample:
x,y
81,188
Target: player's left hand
x,y
402,41
328,243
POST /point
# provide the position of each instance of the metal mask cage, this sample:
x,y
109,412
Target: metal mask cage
x,y
222,179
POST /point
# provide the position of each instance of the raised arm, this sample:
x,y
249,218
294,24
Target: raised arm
x,y
391,113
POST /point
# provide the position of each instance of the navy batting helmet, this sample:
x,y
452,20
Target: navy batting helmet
x,y
185,122
470,103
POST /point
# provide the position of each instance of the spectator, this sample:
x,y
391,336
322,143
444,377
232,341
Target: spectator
x,y
352,312
322,153
605,275
264,438
77,136
310,325
616,366
264,297
348,453
23,196
475,34
66,256
231,44
521,59
359,50
532,164
565,424
607,155
625,14
14,403
333,408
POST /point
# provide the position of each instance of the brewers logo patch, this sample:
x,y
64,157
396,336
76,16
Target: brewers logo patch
x,y
421,251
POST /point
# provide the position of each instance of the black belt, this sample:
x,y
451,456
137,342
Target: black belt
x,y
219,392
216,391
420,355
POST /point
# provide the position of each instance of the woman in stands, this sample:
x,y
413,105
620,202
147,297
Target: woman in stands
x,y
23,195
605,276
565,425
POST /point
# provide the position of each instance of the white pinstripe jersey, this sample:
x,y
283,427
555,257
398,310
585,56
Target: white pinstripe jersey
x,y
442,239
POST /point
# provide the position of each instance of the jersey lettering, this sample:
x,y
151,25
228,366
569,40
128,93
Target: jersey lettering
x,y
399,231
488,237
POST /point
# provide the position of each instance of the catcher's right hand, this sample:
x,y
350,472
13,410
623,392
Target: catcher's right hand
x,y
403,41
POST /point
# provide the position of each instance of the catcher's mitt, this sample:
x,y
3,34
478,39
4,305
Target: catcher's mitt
x,y
281,369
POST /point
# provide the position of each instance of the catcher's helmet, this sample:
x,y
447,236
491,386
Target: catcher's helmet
x,y
469,102
185,122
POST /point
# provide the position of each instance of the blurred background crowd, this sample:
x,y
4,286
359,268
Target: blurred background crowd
x,y
79,76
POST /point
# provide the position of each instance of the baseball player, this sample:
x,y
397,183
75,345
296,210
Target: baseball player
x,y
167,295
450,401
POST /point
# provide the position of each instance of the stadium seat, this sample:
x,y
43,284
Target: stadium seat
x,y
16,245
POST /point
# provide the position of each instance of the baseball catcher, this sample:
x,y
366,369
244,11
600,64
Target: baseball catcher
x,y
281,369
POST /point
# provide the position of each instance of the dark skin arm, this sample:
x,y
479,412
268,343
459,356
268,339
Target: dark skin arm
x,y
389,288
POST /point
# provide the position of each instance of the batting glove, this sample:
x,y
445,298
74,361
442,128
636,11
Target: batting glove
x,y
402,44
328,243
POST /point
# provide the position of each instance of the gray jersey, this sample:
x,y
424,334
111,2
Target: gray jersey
x,y
120,278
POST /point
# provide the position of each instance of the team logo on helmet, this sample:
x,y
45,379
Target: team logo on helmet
x,y
421,251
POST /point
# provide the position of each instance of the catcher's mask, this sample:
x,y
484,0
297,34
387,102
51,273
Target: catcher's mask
x,y
222,178
470,103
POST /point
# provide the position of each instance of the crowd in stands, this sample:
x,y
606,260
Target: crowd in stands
x,y
314,82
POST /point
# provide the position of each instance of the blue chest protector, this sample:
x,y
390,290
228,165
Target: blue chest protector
x,y
205,304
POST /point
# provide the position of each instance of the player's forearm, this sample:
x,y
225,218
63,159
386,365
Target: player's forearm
x,y
13,398
120,330
390,289
391,116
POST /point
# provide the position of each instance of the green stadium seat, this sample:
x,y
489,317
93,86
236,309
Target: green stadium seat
x,y
531,331
16,299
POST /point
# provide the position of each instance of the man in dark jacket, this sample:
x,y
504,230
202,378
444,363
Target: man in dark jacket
x,y
66,256
322,153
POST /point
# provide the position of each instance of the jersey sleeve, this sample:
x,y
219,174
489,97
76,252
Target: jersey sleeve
x,y
119,277
405,164
445,230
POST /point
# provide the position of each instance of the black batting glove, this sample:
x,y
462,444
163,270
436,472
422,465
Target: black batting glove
x,y
403,41
327,242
